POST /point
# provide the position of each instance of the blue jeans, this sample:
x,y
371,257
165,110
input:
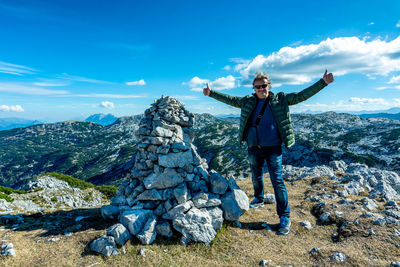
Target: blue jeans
x,y
273,156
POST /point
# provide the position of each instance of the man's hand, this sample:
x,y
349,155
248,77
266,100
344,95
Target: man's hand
x,y
328,77
206,90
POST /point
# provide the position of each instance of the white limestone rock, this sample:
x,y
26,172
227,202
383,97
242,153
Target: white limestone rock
x,y
105,245
120,233
234,204
195,225
169,178
175,160
135,220
218,183
148,233
7,250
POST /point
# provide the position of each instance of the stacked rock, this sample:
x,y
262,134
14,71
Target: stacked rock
x,y
169,186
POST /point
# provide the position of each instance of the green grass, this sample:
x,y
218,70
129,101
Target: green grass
x,y
107,190
73,182
6,197
8,190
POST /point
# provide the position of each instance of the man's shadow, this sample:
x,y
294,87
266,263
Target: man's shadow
x,y
58,222
257,226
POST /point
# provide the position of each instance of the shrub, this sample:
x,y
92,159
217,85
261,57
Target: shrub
x,y
107,190
6,197
73,182
8,190
53,199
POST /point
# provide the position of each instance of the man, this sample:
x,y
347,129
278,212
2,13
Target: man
x,y
265,124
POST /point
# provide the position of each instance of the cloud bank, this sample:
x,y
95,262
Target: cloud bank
x,y
341,56
140,82
16,108
107,104
223,83
15,69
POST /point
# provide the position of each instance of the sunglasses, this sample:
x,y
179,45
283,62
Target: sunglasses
x,y
263,86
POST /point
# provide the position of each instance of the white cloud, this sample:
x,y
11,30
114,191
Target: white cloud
x,y
140,82
341,56
395,79
223,83
371,23
227,67
398,24
196,83
378,101
66,76
107,104
388,87
44,84
16,108
241,63
28,90
352,104
15,69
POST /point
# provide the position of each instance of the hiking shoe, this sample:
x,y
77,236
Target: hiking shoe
x,y
284,226
257,203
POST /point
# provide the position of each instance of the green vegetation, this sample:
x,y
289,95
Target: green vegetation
x,y
6,197
8,190
88,197
391,136
53,199
73,182
107,190
367,159
352,136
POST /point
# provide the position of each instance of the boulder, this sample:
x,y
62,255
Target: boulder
x,y
120,233
218,183
234,204
135,220
105,245
195,225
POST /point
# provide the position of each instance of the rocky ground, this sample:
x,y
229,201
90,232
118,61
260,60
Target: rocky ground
x,y
50,194
337,220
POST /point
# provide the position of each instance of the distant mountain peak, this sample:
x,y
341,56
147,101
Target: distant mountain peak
x,y
101,118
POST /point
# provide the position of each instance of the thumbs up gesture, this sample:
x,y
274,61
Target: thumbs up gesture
x,y
206,90
328,77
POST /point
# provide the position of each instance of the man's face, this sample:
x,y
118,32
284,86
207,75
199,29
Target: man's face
x,y
259,85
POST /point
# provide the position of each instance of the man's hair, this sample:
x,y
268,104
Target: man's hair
x,y
262,76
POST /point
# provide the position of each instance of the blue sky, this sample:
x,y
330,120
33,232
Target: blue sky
x,y
62,60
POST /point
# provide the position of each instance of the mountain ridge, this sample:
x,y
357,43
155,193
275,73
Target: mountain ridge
x,y
104,154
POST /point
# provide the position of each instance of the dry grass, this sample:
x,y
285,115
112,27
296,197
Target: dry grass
x,y
233,246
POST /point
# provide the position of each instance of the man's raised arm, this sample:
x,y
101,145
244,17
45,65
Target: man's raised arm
x,y
295,98
234,101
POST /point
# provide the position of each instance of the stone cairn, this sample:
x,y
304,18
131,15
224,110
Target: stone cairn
x,y
169,190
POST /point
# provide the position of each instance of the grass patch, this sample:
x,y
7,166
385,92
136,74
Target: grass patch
x,y
8,190
73,182
108,190
6,197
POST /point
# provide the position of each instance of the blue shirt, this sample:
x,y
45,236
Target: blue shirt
x,y
267,129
